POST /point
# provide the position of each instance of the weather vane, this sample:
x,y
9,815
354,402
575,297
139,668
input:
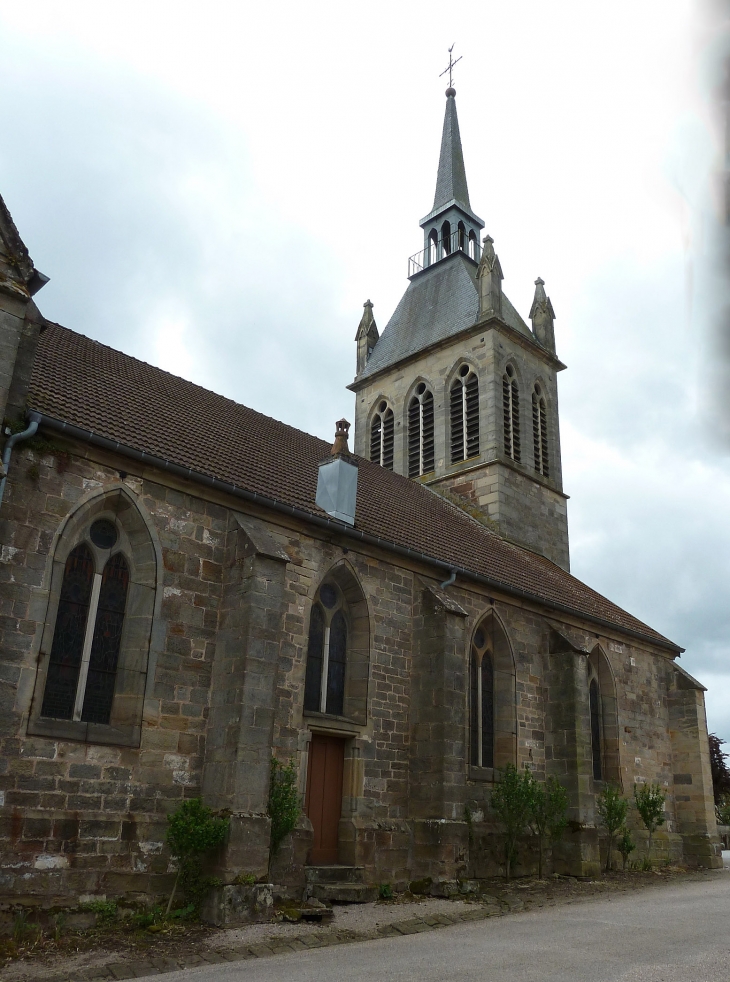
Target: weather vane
x,y
451,66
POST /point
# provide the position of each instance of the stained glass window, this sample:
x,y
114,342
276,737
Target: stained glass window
x,y
315,650
336,666
595,731
482,702
326,653
107,641
68,637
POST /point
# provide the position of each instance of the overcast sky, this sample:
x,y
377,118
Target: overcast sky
x,y
217,189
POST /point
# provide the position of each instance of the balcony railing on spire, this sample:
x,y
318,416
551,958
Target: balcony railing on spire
x,y
457,241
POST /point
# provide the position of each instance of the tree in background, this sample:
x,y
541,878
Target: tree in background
x,y
720,770
511,801
650,800
612,809
548,805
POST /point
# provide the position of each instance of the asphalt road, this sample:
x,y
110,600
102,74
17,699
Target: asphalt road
x,y
672,933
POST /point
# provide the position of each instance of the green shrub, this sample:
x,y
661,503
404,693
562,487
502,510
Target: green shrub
x,y
625,845
548,805
105,910
510,802
650,800
192,831
284,803
612,809
385,891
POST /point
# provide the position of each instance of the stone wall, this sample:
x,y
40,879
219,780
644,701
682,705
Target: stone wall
x,y
224,689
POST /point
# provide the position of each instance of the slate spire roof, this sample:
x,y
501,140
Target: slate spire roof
x,y
451,179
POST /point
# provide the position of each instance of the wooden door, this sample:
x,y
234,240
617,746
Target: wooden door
x,y
324,795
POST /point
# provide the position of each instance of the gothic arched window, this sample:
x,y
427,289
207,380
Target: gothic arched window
x,y
472,245
539,432
462,236
482,701
464,415
324,686
381,436
511,409
433,246
82,667
595,708
421,458
446,239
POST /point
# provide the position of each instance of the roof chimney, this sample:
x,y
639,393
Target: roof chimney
x,y
337,481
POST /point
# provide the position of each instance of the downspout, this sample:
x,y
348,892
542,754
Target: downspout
x,y
8,451
451,580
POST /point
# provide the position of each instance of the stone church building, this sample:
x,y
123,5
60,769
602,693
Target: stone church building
x,y
188,587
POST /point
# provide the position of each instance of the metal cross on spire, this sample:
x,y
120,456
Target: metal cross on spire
x,y
450,68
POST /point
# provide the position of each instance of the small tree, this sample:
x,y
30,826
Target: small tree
x,y
192,831
625,845
650,800
548,805
612,809
511,800
284,802
719,768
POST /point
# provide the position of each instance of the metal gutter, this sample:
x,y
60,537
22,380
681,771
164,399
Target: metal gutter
x,y
89,436
8,451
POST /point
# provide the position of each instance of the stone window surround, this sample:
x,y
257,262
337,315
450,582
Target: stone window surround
x,y
505,698
136,661
357,666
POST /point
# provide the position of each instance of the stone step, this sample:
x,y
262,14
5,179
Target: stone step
x,y
335,874
343,893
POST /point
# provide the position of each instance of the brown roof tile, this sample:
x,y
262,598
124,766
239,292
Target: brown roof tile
x,y
97,388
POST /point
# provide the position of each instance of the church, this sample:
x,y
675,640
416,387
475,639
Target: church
x,y
189,588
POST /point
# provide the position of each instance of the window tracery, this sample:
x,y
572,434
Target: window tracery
x,y
382,436
84,655
511,413
539,432
421,457
464,415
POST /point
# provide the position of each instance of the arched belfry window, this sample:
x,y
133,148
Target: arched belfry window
x,y
324,687
539,432
595,710
84,656
511,411
382,436
446,239
473,245
421,459
464,415
433,246
95,647
482,700
462,236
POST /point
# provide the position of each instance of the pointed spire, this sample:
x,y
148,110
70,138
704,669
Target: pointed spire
x,y
542,316
489,280
451,180
367,336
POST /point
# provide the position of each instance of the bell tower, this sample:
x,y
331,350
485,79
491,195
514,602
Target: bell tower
x,y
458,392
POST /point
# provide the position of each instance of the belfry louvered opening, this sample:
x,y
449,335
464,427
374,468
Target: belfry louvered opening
x,y
511,409
539,433
464,415
382,436
420,432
